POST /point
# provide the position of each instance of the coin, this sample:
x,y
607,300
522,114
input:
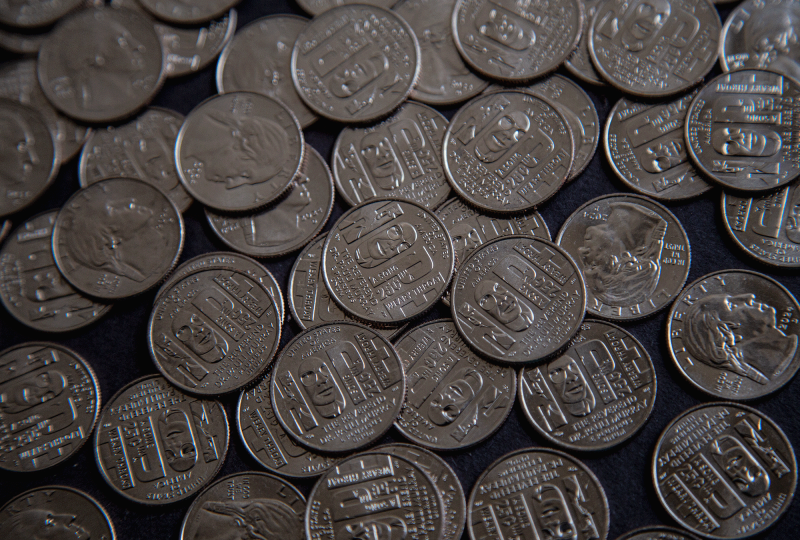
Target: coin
x,y
246,505
156,445
355,63
549,491
387,261
633,253
455,398
101,65
188,50
182,12
654,48
594,396
724,470
507,151
21,41
49,401
766,227
317,7
518,299
353,386
579,63
399,157
4,230
734,334
27,14
31,287
742,130
289,224
238,152
53,511
657,532
258,60
516,41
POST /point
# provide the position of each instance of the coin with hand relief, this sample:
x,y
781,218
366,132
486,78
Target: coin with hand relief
x,y
657,532
183,12
579,62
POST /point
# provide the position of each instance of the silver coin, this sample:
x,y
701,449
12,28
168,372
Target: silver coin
x,y
515,41
734,334
633,254
353,386
287,225
22,42
33,13
508,151
579,63
117,238
4,230
742,131
387,261
595,395
654,48
101,65
246,505
724,470
455,398
317,7
183,12
400,157
188,50
49,402
238,152
657,532
549,491
644,145
258,60
355,63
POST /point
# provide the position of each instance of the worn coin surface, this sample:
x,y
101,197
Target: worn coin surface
x,y
183,12
550,491
734,334
508,151
239,151
387,261
657,532
455,398
49,402
743,130
399,157
724,470
189,50
337,387
644,145
355,63
316,7
594,396
33,13
579,63
633,253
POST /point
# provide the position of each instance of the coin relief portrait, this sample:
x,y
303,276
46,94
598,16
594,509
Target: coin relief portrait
x,y
265,519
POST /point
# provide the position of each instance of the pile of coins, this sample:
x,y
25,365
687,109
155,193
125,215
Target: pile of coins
x,y
338,269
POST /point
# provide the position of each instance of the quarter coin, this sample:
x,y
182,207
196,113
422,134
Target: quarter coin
x,y
182,12
657,532
579,63
188,50
35,14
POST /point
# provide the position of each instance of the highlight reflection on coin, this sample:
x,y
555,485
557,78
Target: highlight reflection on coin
x,y
579,62
189,50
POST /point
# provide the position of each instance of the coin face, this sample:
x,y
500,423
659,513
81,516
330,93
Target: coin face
x,y
742,131
400,157
633,254
337,387
516,41
557,493
657,533
579,62
32,14
518,299
355,63
596,394
387,261
316,7
455,398
156,445
189,50
21,41
239,151
507,151
716,464
182,12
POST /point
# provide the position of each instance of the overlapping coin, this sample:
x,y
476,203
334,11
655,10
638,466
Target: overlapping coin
x,y
182,12
657,533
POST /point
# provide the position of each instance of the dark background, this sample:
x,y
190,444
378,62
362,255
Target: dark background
x,y
116,346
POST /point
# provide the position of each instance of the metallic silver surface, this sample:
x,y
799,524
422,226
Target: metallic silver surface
x,y
657,532
183,12
35,13
579,63
189,50
316,7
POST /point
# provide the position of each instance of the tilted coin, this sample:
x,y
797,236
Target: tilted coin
x,y
183,12
518,299
654,48
400,157
742,130
633,253
49,402
508,151
4,230
734,334
287,225
594,396
549,491
156,445
316,7
258,60
337,387
579,63
189,50
239,151
246,505
387,261
724,470
455,398
355,63
657,532
516,41
32,14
